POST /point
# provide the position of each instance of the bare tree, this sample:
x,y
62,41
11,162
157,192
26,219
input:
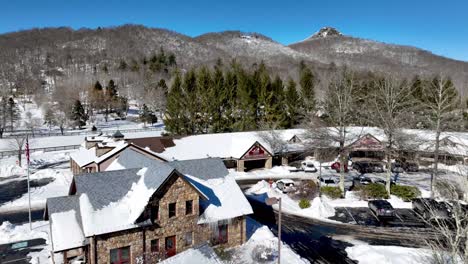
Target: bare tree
x,y
32,122
450,244
18,143
390,101
338,106
440,99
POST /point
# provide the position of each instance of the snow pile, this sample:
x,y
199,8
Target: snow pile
x,y
366,254
225,199
263,244
259,188
10,233
200,255
8,170
320,208
352,199
277,172
119,215
66,231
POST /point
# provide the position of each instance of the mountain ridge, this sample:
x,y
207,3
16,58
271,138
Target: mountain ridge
x,y
31,52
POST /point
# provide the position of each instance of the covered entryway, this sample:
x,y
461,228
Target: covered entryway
x,y
255,158
367,148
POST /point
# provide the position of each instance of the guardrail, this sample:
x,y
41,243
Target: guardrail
x,y
20,133
48,149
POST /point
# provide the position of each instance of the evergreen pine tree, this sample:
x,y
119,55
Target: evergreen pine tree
x,y
97,86
174,118
78,114
190,103
12,112
218,99
307,81
145,114
111,89
246,105
292,103
204,99
275,116
3,115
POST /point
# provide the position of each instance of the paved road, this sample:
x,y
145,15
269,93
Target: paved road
x,y
16,187
308,240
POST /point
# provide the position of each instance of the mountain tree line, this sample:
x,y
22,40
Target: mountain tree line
x,y
232,98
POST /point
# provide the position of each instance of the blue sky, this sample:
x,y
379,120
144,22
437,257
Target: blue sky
x,y
437,26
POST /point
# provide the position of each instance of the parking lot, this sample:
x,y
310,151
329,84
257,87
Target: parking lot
x,y
364,216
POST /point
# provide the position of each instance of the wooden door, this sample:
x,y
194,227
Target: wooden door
x,y
170,246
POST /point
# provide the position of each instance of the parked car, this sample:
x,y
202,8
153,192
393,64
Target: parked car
x,y
384,182
361,180
308,166
368,166
377,167
328,181
429,209
285,185
336,166
382,209
397,167
410,166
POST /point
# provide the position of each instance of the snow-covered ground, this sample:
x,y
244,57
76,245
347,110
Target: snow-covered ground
x,y
319,209
367,254
277,172
61,179
262,247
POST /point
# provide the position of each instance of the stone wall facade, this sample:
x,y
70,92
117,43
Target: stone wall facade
x,y
139,240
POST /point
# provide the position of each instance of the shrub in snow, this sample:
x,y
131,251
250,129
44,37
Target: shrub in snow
x,y
406,193
331,192
373,191
304,203
306,190
448,190
263,253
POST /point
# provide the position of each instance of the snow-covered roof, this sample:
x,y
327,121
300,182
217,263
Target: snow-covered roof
x,y
64,214
198,255
66,231
225,199
121,214
208,168
113,200
223,145
84,156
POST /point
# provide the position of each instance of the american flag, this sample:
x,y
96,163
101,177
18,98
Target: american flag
x,y
27,150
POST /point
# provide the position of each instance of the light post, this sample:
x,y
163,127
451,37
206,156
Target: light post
x,y
272,201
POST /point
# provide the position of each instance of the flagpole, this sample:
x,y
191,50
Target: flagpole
x,y
29,189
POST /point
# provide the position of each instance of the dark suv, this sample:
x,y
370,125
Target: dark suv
x,y
368,166
382,209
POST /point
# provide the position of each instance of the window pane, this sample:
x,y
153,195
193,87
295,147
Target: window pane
x,y
155,245
188,238
125,253
172,210
114,255
188,207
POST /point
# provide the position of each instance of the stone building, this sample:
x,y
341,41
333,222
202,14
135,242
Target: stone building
x,y
142,208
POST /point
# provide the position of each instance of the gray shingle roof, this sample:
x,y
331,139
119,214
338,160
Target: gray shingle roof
x,y
206,169
106,187
64,204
